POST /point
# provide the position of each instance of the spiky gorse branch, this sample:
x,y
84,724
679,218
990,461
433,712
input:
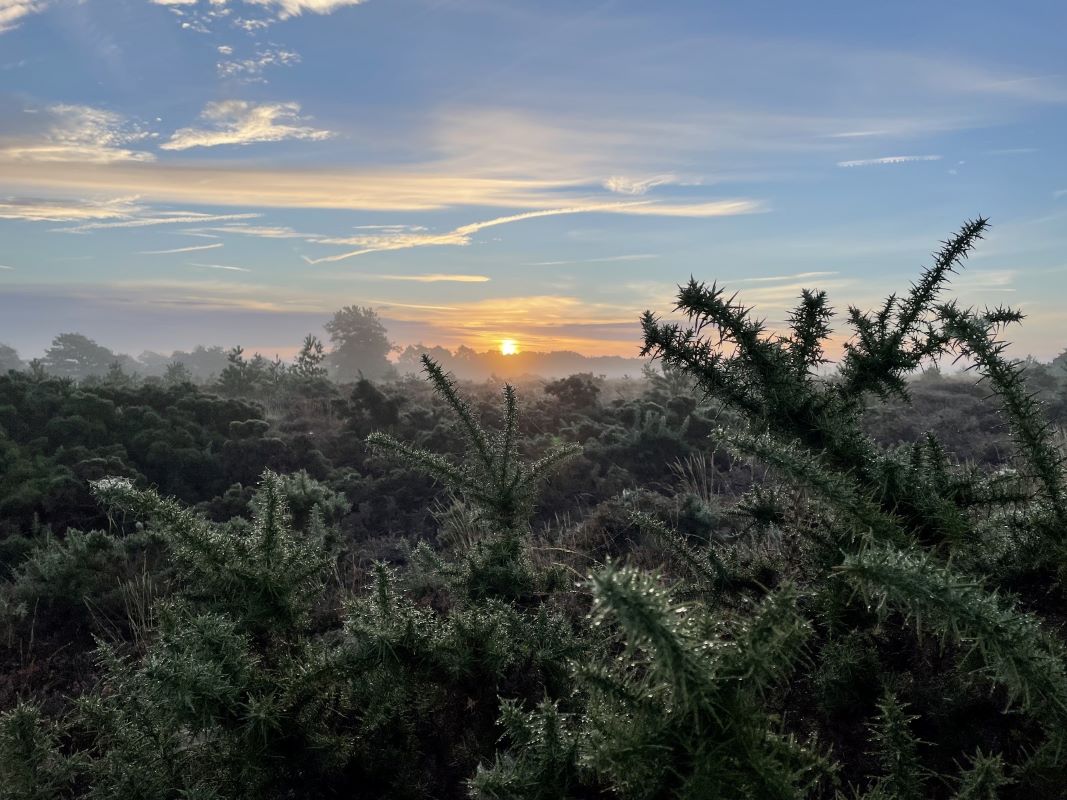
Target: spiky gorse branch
x,y
983,778
975,336
677,709
706,570
897,512
493,477
680,713
892,343
33,765
839,490
213,711
1010,647
268,571
896,750
810,428
231,696
810,324
542,763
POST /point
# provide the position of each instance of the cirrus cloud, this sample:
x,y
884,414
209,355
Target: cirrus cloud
x,y
84,134
11,11
240,122
252,69
404,240
294,8
620,184
872,162
433,277
40,209
193,249
160,218
251,16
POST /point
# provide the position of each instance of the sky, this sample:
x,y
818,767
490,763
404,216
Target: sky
x,y
176,172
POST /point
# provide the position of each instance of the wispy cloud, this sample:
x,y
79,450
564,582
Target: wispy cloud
x,y
985,280
781,278
714,208
260,231
859,134
781,298
424,187
252,69
74,133
241,122
434,277
217,292
462,235
394,228
200,15
604,260
160,218
4,266
11,11
1031,88
870,162
192,249
1056,195
226,267
417,306
636,186
294,8
37,209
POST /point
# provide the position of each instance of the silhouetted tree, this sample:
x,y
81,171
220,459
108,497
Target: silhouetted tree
x,y
75,356
361,344
9,359
576,393
1059,365
117,377
237,379
205,363
309,362
410,359
37,370
177,373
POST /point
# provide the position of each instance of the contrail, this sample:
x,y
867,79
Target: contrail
x,y
192,249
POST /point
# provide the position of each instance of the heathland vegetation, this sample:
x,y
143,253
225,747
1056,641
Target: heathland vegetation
x,y
740,575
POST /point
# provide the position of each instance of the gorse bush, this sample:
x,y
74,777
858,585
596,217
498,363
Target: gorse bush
x,y
869,621
890,523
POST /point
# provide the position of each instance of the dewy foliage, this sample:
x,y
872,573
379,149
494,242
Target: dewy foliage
x,y
884,625
492,477
898,517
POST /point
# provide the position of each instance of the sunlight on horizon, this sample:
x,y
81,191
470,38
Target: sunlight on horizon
x,y
509,347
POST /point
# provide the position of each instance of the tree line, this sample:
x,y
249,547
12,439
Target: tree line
x,y
360,347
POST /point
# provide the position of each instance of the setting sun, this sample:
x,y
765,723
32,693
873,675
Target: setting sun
x,y
509,347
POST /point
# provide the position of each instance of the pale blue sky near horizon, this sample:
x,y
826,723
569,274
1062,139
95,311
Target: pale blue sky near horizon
x,y
175,172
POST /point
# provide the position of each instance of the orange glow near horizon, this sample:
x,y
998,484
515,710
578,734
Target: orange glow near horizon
x,y
509,347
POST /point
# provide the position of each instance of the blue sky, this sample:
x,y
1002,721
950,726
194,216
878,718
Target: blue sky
x,y
175,172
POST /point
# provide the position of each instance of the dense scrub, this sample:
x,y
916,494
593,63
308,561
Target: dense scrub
x,y
736,578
